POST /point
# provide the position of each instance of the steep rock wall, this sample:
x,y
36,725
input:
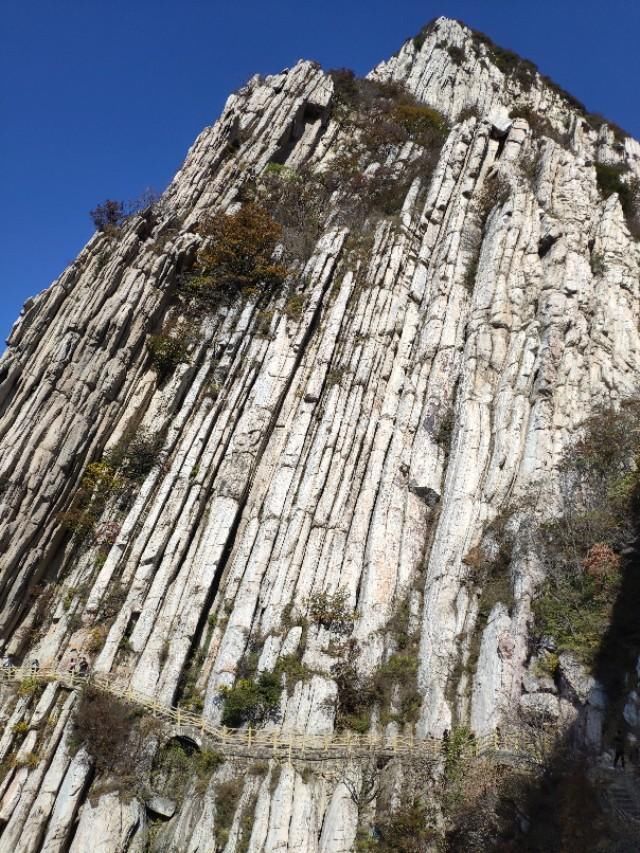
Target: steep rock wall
x,y
364,443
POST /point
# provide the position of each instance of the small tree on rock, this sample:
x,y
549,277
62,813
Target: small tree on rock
x,y
108,215
238,254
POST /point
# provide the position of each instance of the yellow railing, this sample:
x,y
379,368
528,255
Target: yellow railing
x,y
279,743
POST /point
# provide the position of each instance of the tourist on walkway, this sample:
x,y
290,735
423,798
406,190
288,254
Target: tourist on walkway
x,y
618,743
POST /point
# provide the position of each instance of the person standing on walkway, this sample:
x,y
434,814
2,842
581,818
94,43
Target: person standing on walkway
x,y
618,743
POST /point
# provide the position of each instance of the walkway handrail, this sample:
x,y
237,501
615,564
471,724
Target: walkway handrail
x,y
279,742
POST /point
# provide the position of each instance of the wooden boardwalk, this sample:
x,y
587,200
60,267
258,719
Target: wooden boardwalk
x,y
504,747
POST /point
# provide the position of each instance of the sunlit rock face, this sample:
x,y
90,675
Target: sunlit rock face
x,y
418,376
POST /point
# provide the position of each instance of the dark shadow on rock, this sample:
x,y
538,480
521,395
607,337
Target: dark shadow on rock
x,y
577,802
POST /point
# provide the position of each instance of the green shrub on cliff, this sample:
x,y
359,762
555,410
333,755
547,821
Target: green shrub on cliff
x,y
582,547
610,180
251,701
167,352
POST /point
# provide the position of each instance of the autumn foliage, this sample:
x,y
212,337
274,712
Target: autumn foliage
x,y
601,562
104,725
237,254
108,215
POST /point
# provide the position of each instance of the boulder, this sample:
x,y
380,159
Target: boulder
x,y
540,706
160,805
575,681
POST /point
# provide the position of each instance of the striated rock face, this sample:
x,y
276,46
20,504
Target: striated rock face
x,y
438,361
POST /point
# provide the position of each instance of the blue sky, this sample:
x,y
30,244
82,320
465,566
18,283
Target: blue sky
x,y
102,99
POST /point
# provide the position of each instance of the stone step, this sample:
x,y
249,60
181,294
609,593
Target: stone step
x,y
624,798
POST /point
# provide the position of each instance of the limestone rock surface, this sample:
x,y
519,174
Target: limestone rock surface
x,y
420,373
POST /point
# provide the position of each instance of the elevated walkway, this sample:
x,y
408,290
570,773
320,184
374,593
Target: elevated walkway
x,y
509,748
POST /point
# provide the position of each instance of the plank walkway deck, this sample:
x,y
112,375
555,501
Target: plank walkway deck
x,y
505,747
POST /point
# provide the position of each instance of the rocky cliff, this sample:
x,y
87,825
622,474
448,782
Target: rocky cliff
x,y
286,488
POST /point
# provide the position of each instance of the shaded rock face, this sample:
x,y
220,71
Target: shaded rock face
x,y
362,444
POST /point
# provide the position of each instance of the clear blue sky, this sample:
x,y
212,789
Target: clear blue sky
x,y
102,98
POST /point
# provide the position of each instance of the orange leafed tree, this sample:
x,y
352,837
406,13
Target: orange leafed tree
x,y
238,252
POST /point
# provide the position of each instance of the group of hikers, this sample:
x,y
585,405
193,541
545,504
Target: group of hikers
x,y
76,665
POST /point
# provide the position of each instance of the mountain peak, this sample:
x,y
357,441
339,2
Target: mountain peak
x,y
459,70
